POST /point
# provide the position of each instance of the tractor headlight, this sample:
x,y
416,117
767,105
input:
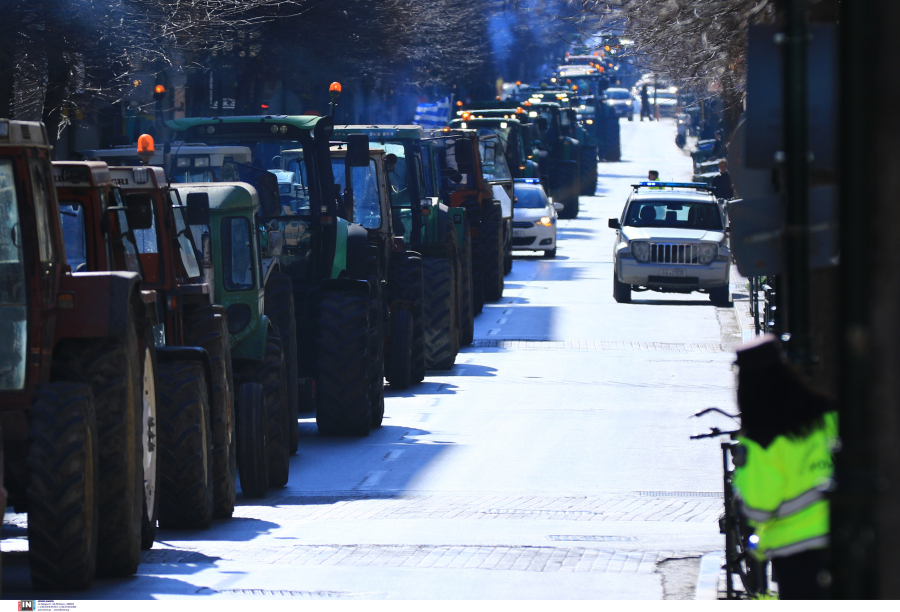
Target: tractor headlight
x,y
641,251
708,252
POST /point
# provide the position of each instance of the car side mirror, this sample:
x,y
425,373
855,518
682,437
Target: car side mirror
x,y
139,210
614,224
559,206
269,200
198,208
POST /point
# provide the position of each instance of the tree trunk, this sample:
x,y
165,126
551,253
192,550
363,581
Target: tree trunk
x,y
55,95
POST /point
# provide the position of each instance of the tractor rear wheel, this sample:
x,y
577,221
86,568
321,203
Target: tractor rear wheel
x,y
568,189
439,313
375,344
253,462
401,348
112,366
63,518
342,375
467,308
492,253
280,309
207,328
185,447
149,441
271,375
406,283
588,170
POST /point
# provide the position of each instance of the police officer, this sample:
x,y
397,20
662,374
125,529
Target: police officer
x,y
783,467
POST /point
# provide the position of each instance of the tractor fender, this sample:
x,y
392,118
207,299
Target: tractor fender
x,y
270,266
253,345
357,251
171,354
81,311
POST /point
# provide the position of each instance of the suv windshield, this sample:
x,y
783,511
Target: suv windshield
x,y
682,215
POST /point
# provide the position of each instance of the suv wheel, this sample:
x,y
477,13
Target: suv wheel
x,y
621,291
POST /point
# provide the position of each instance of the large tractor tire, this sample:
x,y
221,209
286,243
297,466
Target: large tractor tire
x,y
588,170
207,328
376,308
467,308
149,440
185,441
440,324
280,309
568,193
270,373
406,283
492,253
342,374
63,461
253,460
401,348
611,150
112,367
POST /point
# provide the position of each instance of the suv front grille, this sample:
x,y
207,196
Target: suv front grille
x,y
672,253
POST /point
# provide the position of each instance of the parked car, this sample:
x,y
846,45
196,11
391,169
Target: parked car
x,y
671,238
534,228
620,102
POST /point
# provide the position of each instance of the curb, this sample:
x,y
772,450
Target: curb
x,y
708,578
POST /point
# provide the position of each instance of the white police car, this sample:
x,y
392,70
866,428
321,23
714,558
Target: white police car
x,y
671,238
534,224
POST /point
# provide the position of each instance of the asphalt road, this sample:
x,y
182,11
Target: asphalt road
x,y
552,462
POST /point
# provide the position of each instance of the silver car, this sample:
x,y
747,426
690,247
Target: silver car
x,y
671,238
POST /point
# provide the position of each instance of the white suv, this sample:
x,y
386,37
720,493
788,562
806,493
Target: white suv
x,y
671,238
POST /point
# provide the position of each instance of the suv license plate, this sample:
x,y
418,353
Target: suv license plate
x,y
669,272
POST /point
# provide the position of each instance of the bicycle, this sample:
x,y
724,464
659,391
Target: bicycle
x,y
739,536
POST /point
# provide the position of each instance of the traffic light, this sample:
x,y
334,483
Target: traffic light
x,y
159,92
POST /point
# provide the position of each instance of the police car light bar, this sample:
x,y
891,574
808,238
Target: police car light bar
x,y
530,181
662,185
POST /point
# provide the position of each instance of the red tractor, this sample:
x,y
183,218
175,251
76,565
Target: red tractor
x,y
105,213
76,362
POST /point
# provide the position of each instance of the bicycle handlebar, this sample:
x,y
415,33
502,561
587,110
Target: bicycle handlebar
x,y
714,432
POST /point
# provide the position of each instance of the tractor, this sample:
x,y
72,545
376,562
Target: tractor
x,y
76,384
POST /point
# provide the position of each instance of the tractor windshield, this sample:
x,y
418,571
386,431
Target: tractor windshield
x,y
366,204
13,305
71,213
493,161
185,243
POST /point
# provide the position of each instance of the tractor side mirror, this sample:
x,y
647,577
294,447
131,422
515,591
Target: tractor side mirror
x,y
465,156
269,200
357,151
198,208
139,210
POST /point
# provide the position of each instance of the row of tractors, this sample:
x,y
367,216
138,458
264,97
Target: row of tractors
x,y
167,315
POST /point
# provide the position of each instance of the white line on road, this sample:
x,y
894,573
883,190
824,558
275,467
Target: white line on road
x,y
392,455
371,480
501,321
492,332
507,311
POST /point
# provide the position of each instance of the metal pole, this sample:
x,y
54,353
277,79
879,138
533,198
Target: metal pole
x,y
796,167
855,541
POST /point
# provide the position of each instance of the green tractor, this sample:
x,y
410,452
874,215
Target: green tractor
x,y
325,258
433,233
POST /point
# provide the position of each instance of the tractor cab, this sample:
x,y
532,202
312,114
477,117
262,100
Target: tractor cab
x,y
185,162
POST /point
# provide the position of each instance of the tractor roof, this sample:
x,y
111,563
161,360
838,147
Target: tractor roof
x,y
392,132
216,154
138,177
306,122
81,174
223,196
22,133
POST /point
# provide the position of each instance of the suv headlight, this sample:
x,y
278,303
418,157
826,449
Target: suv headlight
x,y
641,251
708,252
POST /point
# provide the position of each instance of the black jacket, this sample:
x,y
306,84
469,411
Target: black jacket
x,y
722,187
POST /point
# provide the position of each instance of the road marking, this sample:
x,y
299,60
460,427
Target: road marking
x,y
425,416
493,332
507,311
392,455
371,480
501,321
